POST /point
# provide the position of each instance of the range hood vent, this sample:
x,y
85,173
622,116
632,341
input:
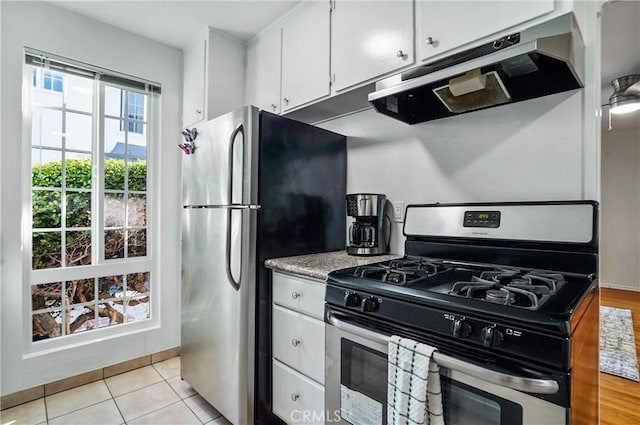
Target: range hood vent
x,y
539,61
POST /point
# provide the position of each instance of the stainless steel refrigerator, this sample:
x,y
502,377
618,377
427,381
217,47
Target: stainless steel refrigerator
x,y
255,186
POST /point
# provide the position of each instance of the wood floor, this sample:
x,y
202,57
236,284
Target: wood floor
x,y
619,397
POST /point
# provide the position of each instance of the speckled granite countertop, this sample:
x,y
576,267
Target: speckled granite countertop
x,y
318,266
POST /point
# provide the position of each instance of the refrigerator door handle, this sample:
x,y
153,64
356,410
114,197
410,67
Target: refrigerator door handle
x,y
236,172
228,266
232,207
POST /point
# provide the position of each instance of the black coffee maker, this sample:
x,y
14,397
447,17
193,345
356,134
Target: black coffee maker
x,y
370,231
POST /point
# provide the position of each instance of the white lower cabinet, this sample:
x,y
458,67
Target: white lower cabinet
x,y
298,349
305,296
298,341
296,398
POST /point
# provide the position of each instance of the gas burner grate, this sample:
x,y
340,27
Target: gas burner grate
x,y
499,274
367,271
511,287
386,274
399,272
420,266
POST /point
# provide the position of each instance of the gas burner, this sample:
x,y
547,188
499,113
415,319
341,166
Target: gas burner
x,y
399,272
397,277
416,265
499,296
533,280
387,274
511,287
499,275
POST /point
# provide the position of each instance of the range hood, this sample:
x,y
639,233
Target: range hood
x,y
538,61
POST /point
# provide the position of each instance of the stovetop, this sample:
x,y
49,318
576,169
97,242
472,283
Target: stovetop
x,y
520,312
536,298
514,287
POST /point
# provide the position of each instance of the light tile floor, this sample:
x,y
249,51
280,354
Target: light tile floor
x,y
150,395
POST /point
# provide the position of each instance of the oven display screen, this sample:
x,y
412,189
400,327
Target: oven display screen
x,y
490,219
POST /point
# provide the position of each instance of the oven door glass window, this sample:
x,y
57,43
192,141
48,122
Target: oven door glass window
x,y
363,394
363,384
465,405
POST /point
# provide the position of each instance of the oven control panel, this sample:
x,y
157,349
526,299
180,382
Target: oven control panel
x,y
477,331
490,219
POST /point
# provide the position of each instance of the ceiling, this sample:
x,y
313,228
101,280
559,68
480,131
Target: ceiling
x,y
176,22
620,53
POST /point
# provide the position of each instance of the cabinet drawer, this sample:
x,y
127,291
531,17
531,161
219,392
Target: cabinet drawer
x,y
298,341
303,295
296,399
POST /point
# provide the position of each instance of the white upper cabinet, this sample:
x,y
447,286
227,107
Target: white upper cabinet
x,y
193,83
445,25
263,70
370,39
213,77
326,48
305,54
225,74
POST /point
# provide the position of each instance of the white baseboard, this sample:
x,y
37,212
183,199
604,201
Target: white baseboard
x,y
621,287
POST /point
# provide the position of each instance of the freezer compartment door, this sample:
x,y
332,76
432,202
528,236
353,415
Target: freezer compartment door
x,y
217,316
222,168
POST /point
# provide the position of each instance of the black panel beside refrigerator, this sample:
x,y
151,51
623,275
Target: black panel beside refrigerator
x,y
301,192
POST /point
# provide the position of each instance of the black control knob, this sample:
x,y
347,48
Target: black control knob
x,y
369,304
351,299
491,336
460,328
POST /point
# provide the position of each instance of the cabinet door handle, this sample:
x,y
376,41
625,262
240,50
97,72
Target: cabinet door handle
x,y
295,295
286,100
430,41
295,342
294,397
401,54
273,107
198,111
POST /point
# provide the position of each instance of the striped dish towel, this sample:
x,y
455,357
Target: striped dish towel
x,y
413,391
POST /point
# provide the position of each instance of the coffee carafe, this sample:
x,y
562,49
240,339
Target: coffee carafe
x,y
370,230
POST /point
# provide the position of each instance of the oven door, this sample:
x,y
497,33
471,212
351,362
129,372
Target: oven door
x,y
356,385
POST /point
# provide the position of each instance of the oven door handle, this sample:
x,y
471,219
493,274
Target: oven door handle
x,y
519,383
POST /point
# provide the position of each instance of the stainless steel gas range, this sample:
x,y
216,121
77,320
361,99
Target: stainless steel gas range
x,y
506,292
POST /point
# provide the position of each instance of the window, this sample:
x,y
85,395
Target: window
x,y
89,226
49,80
133,109
52,81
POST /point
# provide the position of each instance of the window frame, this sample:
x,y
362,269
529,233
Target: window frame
x,y
133,123
100,266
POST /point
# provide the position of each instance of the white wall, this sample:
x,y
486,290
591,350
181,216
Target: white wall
x,y
620,237
522,152
55,30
